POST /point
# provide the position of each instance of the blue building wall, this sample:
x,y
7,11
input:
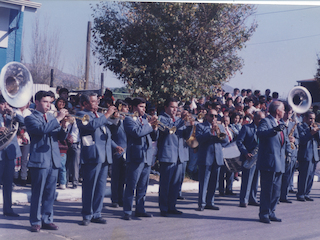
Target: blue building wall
x,y
3,57
13,52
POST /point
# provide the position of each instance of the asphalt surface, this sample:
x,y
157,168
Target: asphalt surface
x,y
300,220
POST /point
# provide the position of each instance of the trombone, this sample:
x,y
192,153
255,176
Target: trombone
x,y
162,126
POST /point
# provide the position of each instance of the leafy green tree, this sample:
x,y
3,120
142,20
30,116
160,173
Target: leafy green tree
x,y
171,49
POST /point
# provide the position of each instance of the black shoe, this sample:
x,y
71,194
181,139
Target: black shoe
x,y
35,228
264,220
275,219
74,187
231,194
292,191
175,211
127,217
144,214
50,226
85,222
180,198
12,214
200,209
285,201
301,199
254,204
164,214
244,205
309,199
99,220
211,207
114,205
23,183
237,179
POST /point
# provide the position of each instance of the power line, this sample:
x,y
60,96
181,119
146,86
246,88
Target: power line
x,y
284,40
292,10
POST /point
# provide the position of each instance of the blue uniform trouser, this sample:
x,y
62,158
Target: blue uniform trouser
x,y
6,178
225,174
183,173
286,179
249,185
118,180
43,189
137,179
270,183
208,179
170,182
93,189
305,178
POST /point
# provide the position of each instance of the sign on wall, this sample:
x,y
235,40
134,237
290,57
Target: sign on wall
x,y
4,26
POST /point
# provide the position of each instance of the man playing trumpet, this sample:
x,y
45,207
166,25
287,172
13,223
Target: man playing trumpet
x,y
44,162
96,156
211,137
173,153
140,133
307,155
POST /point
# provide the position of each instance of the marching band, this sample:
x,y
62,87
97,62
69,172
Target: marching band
x,y
268,142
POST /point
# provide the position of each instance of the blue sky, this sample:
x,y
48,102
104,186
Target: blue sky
x,y
283,49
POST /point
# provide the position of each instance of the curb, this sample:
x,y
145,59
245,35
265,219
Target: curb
x,y
23,194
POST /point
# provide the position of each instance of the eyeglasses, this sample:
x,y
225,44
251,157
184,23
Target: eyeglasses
x,y
213,115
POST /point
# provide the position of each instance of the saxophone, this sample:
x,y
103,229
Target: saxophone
x,y
291,134
192,140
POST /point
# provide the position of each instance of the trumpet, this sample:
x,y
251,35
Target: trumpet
x,y
85,119
315,126
162,126
220,134
122,114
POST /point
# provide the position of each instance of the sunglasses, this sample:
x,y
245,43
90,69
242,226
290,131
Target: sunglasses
x,y
213,115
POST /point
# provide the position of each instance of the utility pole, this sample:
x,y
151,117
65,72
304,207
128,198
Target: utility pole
x,y
51,79
102,83
88,56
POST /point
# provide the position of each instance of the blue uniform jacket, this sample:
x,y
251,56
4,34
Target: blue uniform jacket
x,y
173,146
271,155
307,144
139,140
247,140
96,142
118,135
210,146
44,138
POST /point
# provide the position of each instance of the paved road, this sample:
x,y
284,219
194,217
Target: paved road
x,y
300,220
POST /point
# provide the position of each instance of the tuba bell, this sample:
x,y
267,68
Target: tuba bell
x,y
16,87
299,98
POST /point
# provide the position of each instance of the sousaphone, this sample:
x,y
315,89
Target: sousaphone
x,y
299,98
16,87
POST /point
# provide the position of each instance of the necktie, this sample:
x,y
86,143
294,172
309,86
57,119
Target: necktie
x,y
95,113
45,117
140,118
228,133
173,119
282,136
